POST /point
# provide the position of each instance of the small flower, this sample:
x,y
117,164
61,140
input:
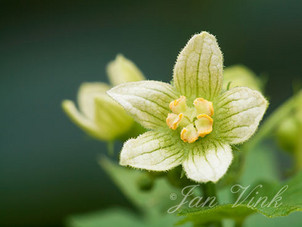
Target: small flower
x,y
192,122
99,115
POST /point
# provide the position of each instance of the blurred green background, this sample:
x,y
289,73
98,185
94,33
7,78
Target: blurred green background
x,y
48,167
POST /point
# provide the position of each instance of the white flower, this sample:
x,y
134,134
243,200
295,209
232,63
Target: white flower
x,y
193,122
99,115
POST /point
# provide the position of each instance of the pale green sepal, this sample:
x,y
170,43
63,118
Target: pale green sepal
x,y
153,150
83,122
147,101
86,94
208,162
241,76
110,117
198,69
239,112
122,70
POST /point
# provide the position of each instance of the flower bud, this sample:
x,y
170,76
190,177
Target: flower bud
x,y
290,129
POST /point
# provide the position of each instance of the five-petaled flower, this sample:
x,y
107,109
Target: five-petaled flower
x,y
192,122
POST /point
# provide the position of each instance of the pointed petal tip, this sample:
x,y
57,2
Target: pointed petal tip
x,y
198,68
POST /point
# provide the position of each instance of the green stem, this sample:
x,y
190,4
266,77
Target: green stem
x,y
238,223
110,148
272,122
209,190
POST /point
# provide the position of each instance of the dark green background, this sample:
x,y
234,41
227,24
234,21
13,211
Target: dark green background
x,y
48,167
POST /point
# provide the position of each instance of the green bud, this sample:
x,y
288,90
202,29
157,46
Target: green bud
x,y
122,70
288,134
241,76
145,182
290,129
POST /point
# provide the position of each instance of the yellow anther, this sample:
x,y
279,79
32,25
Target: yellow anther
x,y
189,134
204,125
173,120
183,116
204,107
179,105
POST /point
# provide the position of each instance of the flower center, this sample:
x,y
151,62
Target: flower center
x,y
195,121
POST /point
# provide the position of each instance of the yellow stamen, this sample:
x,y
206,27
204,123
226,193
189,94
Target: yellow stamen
x,y
179,105
204,125
189,134
183,116
173,120
204,107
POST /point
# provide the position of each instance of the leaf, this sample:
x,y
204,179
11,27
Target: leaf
x,y
155,200
293,220
289,193
112,217
122,218
264,157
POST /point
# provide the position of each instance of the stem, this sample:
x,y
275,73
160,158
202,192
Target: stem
x,y
273,121
209,190
110,148
238,223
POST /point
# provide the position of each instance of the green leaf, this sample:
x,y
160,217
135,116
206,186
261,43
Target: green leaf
x,y
112,217
264,158
293,220
155,200
282,199
122,218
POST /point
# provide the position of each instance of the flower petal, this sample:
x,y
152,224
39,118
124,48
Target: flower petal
x,y
239,112
110,117
153,150
208,162
122,70
83,122
147,101
86,95
198,69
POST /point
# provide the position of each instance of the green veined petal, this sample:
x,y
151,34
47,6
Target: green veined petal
x,y
238,114
110,117
147,101
198,69
152,150
208,162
